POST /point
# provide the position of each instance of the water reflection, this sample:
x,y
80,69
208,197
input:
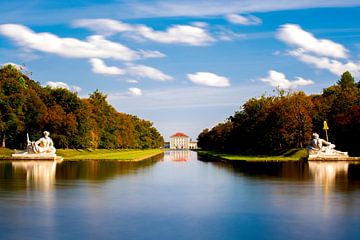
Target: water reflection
x,y
17,175
177,156
325,173
40,174
330,176
107,199
102,170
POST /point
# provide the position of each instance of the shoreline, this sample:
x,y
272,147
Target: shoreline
x,y
121,155
293,155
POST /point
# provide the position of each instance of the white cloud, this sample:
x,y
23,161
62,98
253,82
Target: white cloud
x,y
228,35
182,34
150,54
200,24
334,66
132,81
150,9
178,34
135,91
278,79
294,35
94,46
220,7
242,20
142,71
209,79
320,53
103,26
55,85
147,72
98,66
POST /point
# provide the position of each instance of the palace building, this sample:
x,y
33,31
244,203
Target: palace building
x,y
181,141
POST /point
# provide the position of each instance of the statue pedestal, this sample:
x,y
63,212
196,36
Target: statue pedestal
x,y
36,156
331,157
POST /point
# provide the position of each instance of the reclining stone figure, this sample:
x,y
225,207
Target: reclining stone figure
x,y
320,147
43,145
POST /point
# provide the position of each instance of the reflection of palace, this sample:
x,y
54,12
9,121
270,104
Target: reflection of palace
x,y
181,141
177,156
38,173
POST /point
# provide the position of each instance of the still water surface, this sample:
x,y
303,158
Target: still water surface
x,y
179,196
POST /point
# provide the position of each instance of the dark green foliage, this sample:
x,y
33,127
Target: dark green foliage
x,y
270,124
27,107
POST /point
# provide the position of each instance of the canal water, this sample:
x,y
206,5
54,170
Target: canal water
x,y
179,196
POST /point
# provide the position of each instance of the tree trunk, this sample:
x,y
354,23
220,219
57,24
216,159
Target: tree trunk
x,y
3,141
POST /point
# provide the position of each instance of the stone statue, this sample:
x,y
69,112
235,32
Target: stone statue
x,y
42,149
43,145
322,148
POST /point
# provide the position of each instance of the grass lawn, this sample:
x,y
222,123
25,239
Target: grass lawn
x,y
290,155
5,152
98,154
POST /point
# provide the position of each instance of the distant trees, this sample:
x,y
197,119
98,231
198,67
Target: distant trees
x,y
273,123
27,107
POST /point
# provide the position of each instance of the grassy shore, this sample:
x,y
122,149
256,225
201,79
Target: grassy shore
x,y
290,155
98,154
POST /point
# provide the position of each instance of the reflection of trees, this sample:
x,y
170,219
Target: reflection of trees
x,y
343,176
268,170
177,156
18,175
101,170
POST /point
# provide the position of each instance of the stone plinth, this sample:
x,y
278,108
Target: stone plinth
x,y
36,156
323,157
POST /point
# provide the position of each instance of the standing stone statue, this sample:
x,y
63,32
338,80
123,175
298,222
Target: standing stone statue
x,y
43,145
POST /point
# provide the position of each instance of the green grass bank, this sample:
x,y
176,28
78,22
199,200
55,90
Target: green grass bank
x,y
97,154
290,155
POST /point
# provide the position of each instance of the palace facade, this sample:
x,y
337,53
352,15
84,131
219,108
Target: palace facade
x,y
181,141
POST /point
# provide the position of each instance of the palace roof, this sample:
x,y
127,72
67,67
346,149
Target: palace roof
x,y
179,134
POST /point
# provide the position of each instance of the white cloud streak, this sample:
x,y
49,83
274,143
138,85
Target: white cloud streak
x,y
294,35
334,66
177,34
209,79
135,91
214,8
319,53
278,79
99,66
132,81
150,54
30,12
242,20
95,46
103,26
147,72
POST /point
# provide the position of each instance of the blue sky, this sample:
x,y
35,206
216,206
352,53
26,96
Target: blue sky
x,y
185,65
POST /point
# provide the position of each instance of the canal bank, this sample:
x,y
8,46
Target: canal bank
x,y
97,154
290,155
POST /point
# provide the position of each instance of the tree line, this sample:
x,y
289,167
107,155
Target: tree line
x,y
271,124
74,122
